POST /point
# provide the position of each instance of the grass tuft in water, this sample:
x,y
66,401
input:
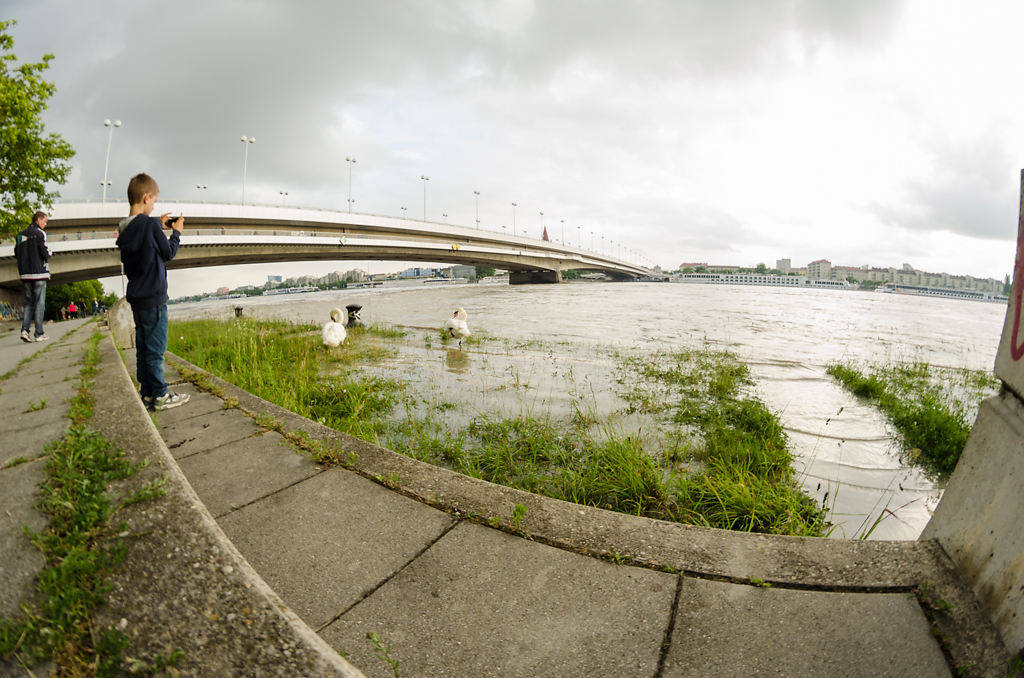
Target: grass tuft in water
x,y
930,407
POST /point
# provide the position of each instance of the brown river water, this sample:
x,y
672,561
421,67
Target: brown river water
x,y
553,348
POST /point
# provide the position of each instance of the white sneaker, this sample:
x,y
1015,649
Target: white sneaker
x,y
169,400
42,337
25,336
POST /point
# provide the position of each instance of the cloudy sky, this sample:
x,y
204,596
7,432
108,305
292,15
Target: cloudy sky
x,y
865,132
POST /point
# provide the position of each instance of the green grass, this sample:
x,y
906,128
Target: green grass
x,y
723,460
288,365
931,408
738,471
80,548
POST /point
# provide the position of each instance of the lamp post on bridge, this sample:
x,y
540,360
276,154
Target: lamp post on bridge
x,y
425,179
579,238
476,195
563,231
351,161
106,166
514,205
445,215
201,188
284,195
245,162
404,211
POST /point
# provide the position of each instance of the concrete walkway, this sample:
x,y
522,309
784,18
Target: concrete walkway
x,y
256,546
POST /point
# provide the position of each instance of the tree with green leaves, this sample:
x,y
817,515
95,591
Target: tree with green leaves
x,y
29,157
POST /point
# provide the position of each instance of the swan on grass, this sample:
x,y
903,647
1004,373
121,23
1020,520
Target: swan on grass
x,y
334,332
456,327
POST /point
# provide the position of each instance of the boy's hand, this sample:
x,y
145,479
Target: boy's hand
x,y
179,225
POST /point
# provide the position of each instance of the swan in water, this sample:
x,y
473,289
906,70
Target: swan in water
x,y
334,331
456,327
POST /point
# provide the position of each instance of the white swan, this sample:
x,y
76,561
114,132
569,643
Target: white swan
x,y
334,332
456,327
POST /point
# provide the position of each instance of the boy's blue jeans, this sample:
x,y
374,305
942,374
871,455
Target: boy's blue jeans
x,y
34,305
150,344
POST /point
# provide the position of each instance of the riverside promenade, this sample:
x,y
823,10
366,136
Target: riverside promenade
x,y
259,561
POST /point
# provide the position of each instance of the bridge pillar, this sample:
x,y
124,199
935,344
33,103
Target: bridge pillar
x,y
534,277
978,520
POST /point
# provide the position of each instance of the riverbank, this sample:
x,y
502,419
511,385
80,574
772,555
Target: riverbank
x,y
407,550
676,436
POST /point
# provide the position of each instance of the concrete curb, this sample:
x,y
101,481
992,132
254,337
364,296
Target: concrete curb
x,y
220,589
967,635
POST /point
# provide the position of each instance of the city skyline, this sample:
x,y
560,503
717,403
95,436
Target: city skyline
x,y
679,130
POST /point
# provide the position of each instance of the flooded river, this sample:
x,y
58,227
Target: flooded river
x,y
553,348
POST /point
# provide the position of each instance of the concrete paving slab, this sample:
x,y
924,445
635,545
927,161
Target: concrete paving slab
x,y
320,545
199,403
206,431
241,472
20,382
480,602
19,416
726,629
46,364
16,401
21,561
13,350
31,442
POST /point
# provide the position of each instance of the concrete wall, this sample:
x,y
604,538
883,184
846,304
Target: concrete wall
x,y
979,520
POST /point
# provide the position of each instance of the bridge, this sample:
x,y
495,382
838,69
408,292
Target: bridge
x,y
82,237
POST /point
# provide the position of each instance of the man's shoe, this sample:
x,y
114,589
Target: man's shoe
x,y
42,337
25,336
169,400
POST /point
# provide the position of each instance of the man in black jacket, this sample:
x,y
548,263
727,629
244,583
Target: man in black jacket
x,y
32,254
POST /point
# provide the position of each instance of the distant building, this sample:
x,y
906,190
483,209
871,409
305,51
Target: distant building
x,y
819,270
222,290
273,278
784,266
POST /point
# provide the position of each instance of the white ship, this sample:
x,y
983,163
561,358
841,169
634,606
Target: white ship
x,y
760,279
944,292
290,290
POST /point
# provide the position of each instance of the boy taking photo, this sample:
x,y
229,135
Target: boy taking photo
x,y
144,253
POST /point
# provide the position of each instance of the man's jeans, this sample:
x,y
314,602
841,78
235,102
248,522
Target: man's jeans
x,y
34,306
150,344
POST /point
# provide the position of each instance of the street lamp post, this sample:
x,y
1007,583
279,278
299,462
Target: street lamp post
x,y
201,188
404,212
514,205
445,215
106,166
476,195
563,231
425,180
591,241
579,238
284,194
245,162
350,161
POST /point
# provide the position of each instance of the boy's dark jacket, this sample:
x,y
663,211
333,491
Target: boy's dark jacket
x,y
144,251
31,252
